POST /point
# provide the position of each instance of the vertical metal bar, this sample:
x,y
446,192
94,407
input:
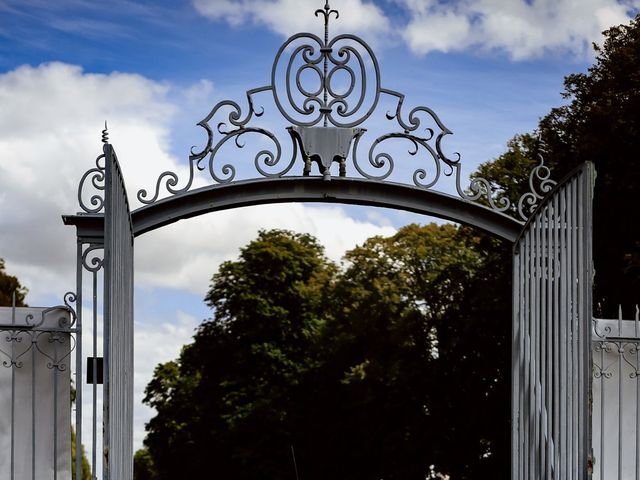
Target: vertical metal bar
x,y
585,318
528,363
602,414
637,332
94,387
564,414
575,420
549,315
532,359
582,325
519,366
13,387
55,410
568,300
556,333
587,277
523,364
620,393
118,326
34,339
78,446
537,320
543,275
523,360
515,365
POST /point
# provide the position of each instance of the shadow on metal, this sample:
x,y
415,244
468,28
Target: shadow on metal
x,y
305,189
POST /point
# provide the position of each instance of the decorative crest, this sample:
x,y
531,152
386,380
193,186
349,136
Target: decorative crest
x,y
326,88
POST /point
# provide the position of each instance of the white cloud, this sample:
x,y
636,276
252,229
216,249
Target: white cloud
x,y
522,29
155,343
50,124
184,255
284,16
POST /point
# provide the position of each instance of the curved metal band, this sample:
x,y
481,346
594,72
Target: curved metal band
x,y
309,189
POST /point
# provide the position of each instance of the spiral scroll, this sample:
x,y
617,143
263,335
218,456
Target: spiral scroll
x,y
540,184
334,83
94,177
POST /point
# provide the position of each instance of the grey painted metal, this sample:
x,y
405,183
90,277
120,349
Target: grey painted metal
x,y
40,340
306,189
342,91
550,353
118,329
616,374
90,260
552,278
79,352
324,146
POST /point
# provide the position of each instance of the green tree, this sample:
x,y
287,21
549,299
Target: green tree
x,y
247,365
348,369
423,351
143,466
600,123
10,285
86,468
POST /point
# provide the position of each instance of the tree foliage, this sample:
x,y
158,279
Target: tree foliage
x,y
344,368
10,285
86,468
599,123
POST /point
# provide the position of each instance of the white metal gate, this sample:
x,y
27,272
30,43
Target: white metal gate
x,y
118,329
552,312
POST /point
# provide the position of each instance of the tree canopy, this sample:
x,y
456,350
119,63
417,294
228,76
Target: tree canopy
x,y
599,123
10,285
347,369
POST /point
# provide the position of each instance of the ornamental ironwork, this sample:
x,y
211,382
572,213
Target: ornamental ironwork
x,y
326,88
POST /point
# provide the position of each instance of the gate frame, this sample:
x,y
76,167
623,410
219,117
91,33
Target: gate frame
x,y
338,139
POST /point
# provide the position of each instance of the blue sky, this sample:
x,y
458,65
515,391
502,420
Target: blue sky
x,y
489,68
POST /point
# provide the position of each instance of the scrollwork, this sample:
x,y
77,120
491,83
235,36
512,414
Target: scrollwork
x,y
631,350
171,181
14,338
335,83
481,188
91,260
95,177
540,184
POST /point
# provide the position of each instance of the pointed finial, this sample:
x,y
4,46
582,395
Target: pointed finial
x,y
105,133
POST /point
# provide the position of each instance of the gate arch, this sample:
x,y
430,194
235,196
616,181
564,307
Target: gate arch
x,y
327,128
308,189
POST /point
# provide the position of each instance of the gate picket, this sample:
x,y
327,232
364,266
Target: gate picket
x,y
118,332
552,275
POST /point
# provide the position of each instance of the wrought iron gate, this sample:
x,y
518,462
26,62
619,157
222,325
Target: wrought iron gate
x,y
552,256
118,326
552,275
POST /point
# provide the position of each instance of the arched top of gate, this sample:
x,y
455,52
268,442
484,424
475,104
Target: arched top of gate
x,y
325,90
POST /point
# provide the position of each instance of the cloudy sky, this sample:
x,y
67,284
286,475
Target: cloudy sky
x,y
153,69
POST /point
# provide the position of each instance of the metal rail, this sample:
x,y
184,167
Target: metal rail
x,y
551,333
616,397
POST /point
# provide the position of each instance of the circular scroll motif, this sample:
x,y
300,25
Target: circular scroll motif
x,y
348,74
